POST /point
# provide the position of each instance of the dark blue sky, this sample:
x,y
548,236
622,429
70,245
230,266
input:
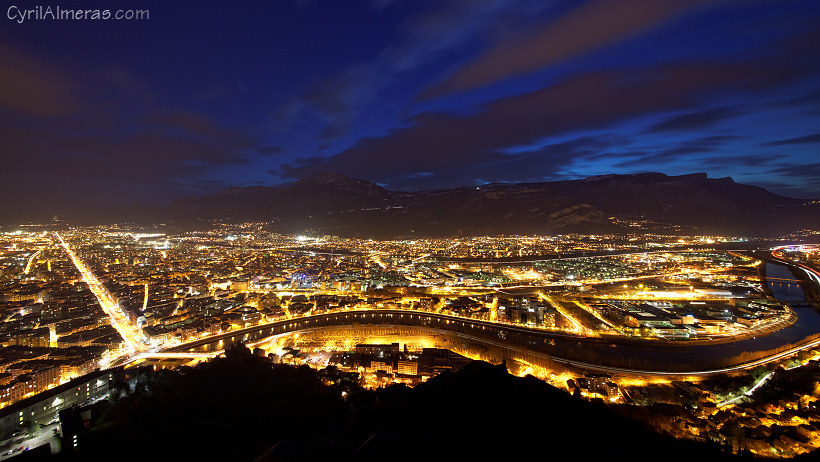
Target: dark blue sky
x,y
410,94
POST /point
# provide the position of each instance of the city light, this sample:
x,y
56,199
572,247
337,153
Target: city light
x,y
304,301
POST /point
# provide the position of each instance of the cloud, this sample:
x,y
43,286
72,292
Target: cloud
x,y
270,150
693,150
593,25
803,179
757,160
651,161
148,157
691,120
337,102
33,86
693,153
189,123
542,164
330,107
50,172
808,139
443,142
454,24
221,91
120,144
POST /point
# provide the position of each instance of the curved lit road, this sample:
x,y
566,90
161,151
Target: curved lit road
x,y
610,354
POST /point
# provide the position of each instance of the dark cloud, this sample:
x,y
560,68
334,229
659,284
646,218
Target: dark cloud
x,y
59,154
803,99
34,87
333,104
809,171
803,180
441,142
147,157
336,103
664,156
718,138
190,124
808,139
691,120
50,172
250,183
593,25
270,150
530,166
330,96
757,160
700,155
334,130
221,91
676,150
452,24
699,150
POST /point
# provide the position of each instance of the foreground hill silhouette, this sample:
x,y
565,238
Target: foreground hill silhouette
x,y
330,203
241,407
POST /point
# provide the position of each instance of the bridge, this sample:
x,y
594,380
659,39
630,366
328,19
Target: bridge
x,y
807,277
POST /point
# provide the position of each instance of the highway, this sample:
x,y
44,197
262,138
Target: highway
x,y
813,274
613,354
578,327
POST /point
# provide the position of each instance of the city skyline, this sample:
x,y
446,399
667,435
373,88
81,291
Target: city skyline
x,y
187,99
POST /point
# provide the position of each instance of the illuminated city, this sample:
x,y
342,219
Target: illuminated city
x,y
368,230
81,299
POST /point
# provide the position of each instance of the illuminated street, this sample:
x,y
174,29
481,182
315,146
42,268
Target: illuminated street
x,y
129,333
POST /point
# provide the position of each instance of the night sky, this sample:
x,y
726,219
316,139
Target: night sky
x,y
411,94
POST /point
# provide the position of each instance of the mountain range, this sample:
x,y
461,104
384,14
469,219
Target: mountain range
x,y
334,204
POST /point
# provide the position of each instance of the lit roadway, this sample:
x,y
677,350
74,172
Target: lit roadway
x,y
760,382
31,261
131,335
164,355
562,312
814,276
700,359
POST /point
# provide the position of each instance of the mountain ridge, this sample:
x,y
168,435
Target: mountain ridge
x,y
332,203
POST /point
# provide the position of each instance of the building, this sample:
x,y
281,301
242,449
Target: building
x,y
40,337
44,407
407,367
376,366
380,350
